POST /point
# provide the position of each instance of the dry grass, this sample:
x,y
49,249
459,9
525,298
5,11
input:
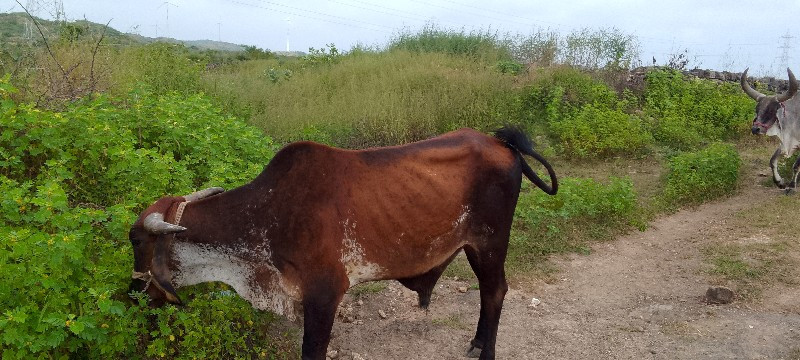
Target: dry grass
x,y
371,98
759,247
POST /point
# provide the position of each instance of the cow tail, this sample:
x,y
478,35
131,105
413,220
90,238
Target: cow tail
x,y
518,141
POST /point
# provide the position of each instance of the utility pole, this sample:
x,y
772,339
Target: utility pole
x,y
219,32
288,26
33,7
168,5
58,11
55,8
786,47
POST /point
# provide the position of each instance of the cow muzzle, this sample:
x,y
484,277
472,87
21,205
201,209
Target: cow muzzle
x,y
760,128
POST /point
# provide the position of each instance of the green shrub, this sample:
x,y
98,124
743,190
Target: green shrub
x,y
688,112
601,132
696,177
560,91
71,183
583,209
585,115
162,67
509,67
321,56
603,48
432,39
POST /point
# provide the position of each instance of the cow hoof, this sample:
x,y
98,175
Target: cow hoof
x,y
473,352
789,191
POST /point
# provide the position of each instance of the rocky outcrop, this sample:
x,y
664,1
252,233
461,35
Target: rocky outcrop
x,y
637,76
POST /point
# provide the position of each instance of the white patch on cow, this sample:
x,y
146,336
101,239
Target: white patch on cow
x,y
463,217
436,247
787,132
204,263
773,130
357,268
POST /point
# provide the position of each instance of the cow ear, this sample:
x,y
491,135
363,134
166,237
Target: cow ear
x,y
161,274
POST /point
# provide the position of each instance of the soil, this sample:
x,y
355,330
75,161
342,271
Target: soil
x,y
640,296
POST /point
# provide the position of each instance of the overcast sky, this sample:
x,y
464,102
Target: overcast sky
x,y
721,35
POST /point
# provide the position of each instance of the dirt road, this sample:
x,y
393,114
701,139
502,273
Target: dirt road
x,y
638,297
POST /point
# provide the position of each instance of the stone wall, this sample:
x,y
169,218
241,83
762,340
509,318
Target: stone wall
x,y
636,78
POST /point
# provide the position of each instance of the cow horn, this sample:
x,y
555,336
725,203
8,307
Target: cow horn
x,y
197,195
753,93
155,224
792,88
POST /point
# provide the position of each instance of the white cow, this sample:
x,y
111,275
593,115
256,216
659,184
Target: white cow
x,y
778,115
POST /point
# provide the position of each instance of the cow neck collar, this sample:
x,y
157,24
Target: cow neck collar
x,y
182,206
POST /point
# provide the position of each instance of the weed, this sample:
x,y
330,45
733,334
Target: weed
x,y
454,321
687,112
583,210
696,177
371,287
370,99
459,268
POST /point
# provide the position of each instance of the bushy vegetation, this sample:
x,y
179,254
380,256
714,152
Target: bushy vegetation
x,y
368,99
703,175
583,209
686,113
71,183
586,117
483,46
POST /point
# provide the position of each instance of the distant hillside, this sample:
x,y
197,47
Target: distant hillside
x,y
12,30
290,53
199,44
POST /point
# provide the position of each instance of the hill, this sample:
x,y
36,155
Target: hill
x,y
13,31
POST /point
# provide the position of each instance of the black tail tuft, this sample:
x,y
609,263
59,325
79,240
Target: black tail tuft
x,y
517,140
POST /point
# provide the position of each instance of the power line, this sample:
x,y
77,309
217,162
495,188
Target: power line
x,y
508,14
321,13
379,11
470,13
306,16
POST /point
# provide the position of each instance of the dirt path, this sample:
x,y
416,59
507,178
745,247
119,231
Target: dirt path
x,y
638,297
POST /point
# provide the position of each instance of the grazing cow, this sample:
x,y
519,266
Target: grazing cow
x,y
778,115
319,220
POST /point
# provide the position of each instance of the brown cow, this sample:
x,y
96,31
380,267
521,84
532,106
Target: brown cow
x,y
319,220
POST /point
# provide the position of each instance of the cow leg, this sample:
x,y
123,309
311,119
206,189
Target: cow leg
x,y
489,268
319,311
424,284
793,184
773,164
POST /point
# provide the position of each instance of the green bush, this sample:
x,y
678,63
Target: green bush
x,y
603,132
71,183
432,39
688,112
583,209
699,176
560,91
162,67
583,114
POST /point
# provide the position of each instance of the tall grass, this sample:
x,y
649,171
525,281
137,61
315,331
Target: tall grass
x,y
370,99
483,45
